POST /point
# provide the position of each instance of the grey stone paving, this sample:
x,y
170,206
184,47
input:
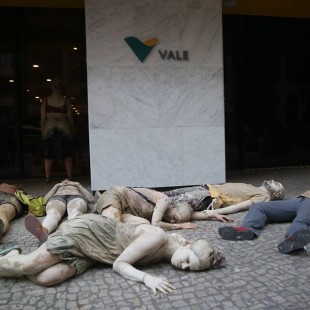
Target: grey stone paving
x,y
256,276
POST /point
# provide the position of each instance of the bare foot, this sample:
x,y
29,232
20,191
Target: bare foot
x,y
13,252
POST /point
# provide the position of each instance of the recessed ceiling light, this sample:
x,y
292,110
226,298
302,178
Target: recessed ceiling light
x,y
75,48
37,97
35,66
11,81
48,80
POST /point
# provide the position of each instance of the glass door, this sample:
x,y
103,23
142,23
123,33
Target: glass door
x,y
36,46
10,164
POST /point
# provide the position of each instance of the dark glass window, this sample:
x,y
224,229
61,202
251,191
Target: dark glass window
x,y
38,45
267,91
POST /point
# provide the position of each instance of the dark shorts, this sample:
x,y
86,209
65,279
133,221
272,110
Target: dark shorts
x,y
57,146
66,198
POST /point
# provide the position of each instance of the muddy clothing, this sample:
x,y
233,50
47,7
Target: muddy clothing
x,y
127,201
7,195
200,197
233,193
66,198
57,133
90,238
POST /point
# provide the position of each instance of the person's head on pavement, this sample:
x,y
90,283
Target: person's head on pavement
x,y
275,189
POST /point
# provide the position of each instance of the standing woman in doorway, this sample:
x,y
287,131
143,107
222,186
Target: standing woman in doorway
x,y
57,130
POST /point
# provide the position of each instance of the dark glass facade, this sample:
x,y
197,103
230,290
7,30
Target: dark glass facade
x,y
266,83
37,45
267,91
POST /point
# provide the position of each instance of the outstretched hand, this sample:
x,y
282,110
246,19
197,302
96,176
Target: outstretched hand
x,y
157,283
223,218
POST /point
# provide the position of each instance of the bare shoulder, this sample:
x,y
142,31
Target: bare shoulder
x,y
152,194
155,231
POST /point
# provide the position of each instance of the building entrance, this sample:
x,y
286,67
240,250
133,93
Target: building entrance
x,y
38,45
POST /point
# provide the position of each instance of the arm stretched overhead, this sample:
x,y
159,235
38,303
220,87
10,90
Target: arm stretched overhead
x,y
241,206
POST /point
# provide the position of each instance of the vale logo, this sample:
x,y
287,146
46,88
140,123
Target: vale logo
x,y
141,49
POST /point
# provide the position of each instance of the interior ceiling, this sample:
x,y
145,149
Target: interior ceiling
x,y
280,8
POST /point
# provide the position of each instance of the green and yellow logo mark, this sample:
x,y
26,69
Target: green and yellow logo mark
x,y
141,49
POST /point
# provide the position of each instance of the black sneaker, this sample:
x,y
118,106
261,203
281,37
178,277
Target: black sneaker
x,y
236,233
296,242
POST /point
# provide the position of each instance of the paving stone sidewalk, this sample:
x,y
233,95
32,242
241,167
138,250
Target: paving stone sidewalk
x,y
256,276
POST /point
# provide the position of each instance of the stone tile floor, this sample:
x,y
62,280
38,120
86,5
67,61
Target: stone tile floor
x,y
256,276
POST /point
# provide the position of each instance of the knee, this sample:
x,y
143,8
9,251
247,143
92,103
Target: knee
x,y
144,221
6,225
74,213
76,208
256,207
113,214
53,275
40,280
55,212
29,269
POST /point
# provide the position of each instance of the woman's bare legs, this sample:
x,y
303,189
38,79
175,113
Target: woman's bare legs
x,y
68,165
75,207
112,213
7,213
53,275
48,164
55,210
33,263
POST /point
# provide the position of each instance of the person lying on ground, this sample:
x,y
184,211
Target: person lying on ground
x,y
295,210
89,238
67,196
10,207
144,205
226,198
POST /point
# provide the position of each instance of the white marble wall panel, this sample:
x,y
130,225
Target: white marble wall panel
x,y
164,97
157,123
135,157
198,31
159,157
203,155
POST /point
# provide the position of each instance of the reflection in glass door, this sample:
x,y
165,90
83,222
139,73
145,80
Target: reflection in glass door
x,y
9,160
10,164
36,46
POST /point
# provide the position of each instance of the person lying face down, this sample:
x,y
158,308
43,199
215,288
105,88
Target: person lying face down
x,y
143,205
89,238
227,198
